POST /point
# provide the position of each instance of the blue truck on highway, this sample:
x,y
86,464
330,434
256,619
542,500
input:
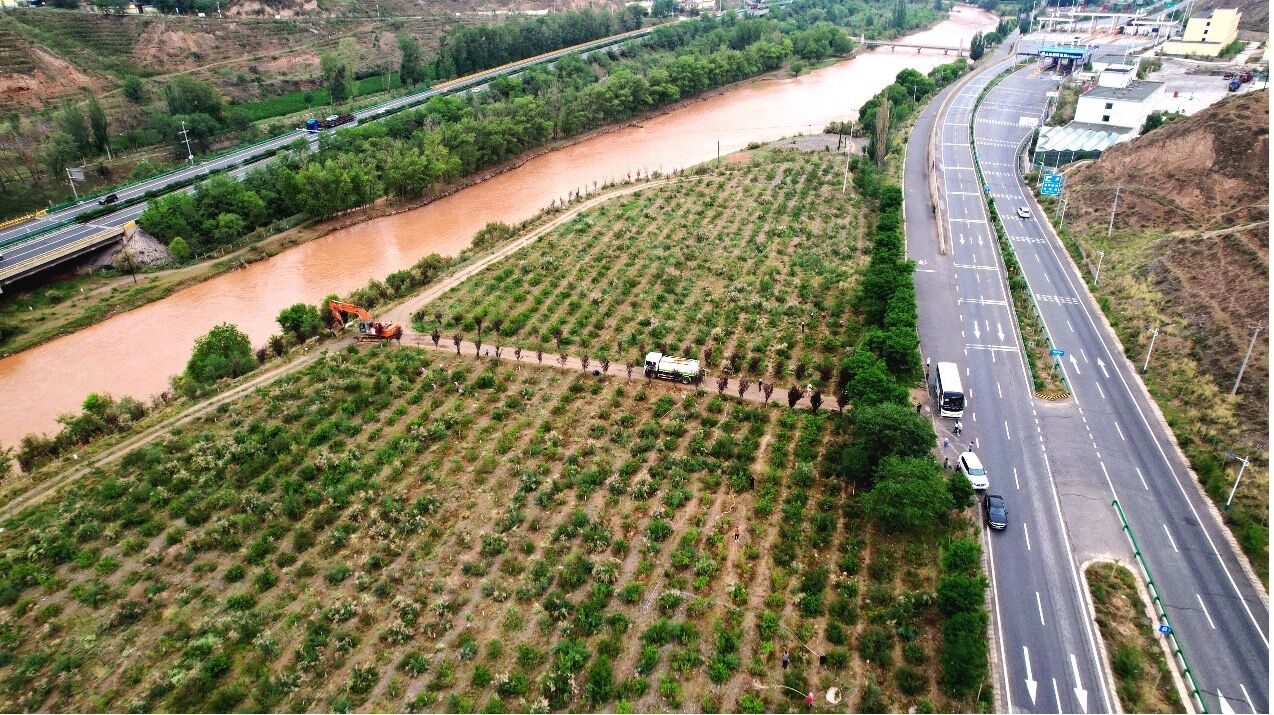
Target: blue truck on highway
x,y
330,122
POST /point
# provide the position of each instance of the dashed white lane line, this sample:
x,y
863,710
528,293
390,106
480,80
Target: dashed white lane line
x,y
1027,535
1142,478
1248,698
1121,433
1170,539
1100,391
1040,605
1205,610
1084,355
1016,484
1072,327
998,390
1007,436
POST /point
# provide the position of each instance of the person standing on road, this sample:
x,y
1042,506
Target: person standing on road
x,y
959,427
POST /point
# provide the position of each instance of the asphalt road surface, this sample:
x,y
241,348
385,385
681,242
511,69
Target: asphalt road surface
x,y
1045,656
44,243
1108,442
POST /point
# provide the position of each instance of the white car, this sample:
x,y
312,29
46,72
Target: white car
x,y
1023,212
971,467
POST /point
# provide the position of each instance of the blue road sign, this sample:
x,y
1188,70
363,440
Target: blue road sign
x,y
1051,185
1057,352
1165,629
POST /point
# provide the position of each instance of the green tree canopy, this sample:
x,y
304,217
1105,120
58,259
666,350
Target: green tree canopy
x,y
134,91
98,125
338,76
70,120
224,352
411,67
909,495
186,95
892,430
179,249
301,320
870,382
959,592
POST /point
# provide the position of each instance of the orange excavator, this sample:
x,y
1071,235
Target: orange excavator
x,y
368,330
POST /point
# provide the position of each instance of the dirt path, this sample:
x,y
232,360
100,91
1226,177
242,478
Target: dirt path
x,y
1234,229
566,362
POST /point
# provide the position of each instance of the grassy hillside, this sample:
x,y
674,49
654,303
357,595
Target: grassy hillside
x,y
1190,253
393,528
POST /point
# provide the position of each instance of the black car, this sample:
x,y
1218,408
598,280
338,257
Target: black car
x,y
108,199
995,511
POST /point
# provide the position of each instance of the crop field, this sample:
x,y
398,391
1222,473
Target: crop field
x,y
391,528
748,267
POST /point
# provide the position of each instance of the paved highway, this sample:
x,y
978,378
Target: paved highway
x,y
44,243
1112,443
1045,654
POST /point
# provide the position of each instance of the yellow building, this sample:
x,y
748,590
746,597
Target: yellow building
x,y
1206,36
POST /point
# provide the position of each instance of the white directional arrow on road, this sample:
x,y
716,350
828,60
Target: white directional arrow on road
x,y
1031,685
979,240
1225,704
1080,694
1102,365
999,330
977,333
1075,365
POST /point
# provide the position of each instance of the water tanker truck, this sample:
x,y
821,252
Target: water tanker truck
x,y
672,368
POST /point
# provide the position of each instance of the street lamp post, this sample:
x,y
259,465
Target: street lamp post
x,y
1154,333
1242,461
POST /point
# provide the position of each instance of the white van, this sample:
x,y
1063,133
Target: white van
x,y
971,467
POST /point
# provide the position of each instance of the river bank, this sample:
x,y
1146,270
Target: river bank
x,y
135,352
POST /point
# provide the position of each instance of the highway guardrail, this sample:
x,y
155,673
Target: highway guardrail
x,y
24,218
1180,656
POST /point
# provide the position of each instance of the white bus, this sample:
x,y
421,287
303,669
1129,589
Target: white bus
x,y
947,390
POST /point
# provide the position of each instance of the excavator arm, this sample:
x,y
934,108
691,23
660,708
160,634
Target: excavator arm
x,y
339,310
368,329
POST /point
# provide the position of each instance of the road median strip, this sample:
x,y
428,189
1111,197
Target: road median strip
x,y
1030,322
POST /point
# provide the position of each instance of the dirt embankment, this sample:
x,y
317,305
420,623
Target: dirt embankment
x,y
1208,171
1189,254
1197,191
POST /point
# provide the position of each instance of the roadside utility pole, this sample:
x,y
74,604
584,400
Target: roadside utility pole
x,y
185,134
1255,331
1111,226
70,179
1101,256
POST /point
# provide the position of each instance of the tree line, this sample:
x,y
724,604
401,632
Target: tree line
x,y
412,153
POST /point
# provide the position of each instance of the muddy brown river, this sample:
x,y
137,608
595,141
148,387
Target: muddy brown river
x,y
136,352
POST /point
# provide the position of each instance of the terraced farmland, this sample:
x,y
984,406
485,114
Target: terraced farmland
x,y
92,42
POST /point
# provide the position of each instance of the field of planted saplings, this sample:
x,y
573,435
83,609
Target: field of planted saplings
x,y
747,267
392,528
